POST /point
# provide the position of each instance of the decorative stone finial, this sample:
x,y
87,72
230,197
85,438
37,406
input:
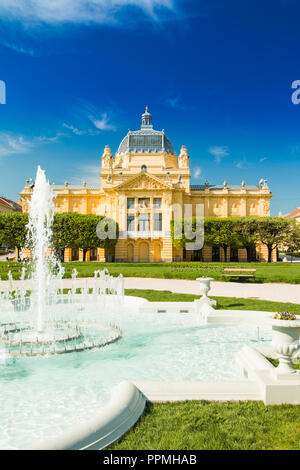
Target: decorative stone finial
x,y
146,119
107,158
206,184
183,157
243,184
84,184
66,184
225,184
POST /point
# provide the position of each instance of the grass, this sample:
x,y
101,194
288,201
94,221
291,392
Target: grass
x,y
265,272
203,425
233,303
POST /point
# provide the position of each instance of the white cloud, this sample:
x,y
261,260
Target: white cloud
x,y
103,123
89,173
174,102
73,129
19,49
197,172
219,152
242,164
48,139
262,159
77,11
12,144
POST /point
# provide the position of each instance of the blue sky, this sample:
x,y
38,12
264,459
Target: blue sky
x,y
217,76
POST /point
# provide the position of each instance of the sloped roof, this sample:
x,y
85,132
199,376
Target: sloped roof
x,y
295,213
14,206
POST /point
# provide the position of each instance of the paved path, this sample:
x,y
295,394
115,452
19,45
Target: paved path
x,y
275,292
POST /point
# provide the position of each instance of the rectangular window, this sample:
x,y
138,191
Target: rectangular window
x,y
158,222
157,203
144,222
144,202
130,203
130,223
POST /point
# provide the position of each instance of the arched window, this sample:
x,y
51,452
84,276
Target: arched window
x,y
144,168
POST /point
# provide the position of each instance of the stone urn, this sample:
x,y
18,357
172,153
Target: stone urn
x,y
205,305
285,340
204,285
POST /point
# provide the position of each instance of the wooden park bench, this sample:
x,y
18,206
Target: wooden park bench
x,y
239,272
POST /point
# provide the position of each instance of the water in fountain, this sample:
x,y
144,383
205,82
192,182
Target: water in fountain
x,y
49,322
41,213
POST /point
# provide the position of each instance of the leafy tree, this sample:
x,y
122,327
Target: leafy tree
x,y
272,232
64,235
246,229
292,241
72,230
221,232
183,231
217,232
13,230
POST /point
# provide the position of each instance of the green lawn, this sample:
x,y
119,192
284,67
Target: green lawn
x,y
203,425
197,425
265,272
233,303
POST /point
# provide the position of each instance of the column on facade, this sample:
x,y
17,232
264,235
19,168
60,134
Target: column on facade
x,y
207,253
68,254
225,207
101,255
243,207
242,254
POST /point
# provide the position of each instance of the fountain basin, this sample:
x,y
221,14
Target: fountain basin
x,y
52,394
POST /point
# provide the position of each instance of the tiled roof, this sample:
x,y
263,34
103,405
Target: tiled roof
x,y
295,213
10,204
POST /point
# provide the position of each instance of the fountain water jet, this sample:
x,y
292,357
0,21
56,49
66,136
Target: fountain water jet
x,y
52,328
41,213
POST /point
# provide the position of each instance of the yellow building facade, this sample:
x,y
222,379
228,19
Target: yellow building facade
x,y
142,187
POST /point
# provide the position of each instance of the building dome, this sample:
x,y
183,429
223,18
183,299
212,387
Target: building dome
x,y
146,140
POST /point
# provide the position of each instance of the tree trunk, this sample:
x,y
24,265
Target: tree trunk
x,y
248,249
225,253
269,253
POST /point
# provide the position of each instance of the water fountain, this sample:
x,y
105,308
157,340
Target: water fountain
x,y
44,322
54,393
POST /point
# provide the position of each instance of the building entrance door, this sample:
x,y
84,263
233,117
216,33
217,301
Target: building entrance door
x,y
157,257
130,253
144,252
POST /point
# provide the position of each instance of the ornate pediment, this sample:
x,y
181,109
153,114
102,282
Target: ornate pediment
x,y
143,181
